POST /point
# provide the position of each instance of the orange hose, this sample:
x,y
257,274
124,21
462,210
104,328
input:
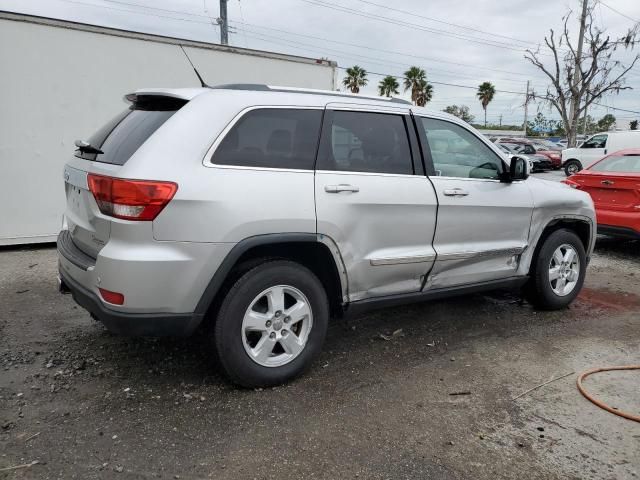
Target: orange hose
x,y
602,404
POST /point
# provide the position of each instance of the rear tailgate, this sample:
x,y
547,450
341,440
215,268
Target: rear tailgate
x,y
105,153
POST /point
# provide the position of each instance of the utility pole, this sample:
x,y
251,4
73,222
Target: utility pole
x,y
526,108
224,23
500,119
577,68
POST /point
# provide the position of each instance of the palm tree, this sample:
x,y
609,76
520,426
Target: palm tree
x,y
412,79
356,78
388,86
485,94
425,93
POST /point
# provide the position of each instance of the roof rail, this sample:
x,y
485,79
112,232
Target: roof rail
x,y
260,87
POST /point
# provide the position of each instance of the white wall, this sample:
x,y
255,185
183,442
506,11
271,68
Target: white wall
x,y
61,84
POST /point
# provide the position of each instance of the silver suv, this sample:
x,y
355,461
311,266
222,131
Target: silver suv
x,y
262,212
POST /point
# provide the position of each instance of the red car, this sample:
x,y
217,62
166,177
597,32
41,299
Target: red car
x,y
530,148
614,185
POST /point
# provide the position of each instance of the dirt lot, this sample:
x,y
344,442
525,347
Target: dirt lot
x,y
85,404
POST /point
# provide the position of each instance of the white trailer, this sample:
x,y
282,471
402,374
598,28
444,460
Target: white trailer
x,y
62,80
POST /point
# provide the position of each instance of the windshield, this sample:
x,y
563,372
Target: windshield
x,y
618,164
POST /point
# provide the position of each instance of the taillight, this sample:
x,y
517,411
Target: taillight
x,y
571,184
130,199
112,297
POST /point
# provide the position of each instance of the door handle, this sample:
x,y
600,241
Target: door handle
x,y
455,192
607,182
343,187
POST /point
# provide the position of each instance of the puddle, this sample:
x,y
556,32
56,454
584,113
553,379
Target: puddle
x,y
608,300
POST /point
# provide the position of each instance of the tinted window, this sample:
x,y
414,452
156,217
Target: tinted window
x,y
618,164
125,133
366,142
272,137
456,152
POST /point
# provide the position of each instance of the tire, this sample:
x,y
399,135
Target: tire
x,y
542,290
239,329
572,167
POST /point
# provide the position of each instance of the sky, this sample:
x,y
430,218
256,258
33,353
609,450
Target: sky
x,y
461,42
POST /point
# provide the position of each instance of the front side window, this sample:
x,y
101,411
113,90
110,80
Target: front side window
x,y
618,164
456,152
597,141
366,142
272,138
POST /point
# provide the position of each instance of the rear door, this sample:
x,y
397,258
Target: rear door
x,y
483,224
374,200
118,140
614,184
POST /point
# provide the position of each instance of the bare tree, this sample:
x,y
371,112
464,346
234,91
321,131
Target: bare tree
x,y
583,72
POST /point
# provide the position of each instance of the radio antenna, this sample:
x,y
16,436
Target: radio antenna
x,y
194,68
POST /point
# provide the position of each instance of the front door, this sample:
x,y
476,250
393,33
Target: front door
x,y
593,149
483,224
374,201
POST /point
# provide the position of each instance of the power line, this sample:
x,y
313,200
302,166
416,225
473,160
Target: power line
x,y
332,6
618,12
393,52
615,108
379,61
135,11
413,14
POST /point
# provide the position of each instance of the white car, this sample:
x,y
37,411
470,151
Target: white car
x,y
596,147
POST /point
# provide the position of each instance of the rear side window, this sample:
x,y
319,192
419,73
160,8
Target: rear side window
x,y
272,138
366,142
125,133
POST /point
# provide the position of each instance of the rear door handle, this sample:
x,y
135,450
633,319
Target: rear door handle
x,y
455,192
343,187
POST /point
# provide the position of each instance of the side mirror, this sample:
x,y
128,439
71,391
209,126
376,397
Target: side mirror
x,y
518,170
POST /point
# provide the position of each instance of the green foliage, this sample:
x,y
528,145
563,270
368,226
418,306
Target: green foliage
x,y
606,122
461,112
633,124
413,80
388,86
425,93
356,77
486,92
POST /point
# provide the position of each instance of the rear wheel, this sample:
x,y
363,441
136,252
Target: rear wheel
x,y
271,324
558,271
571,167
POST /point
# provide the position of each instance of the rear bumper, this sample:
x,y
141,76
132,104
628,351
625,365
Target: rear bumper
x,y
133,324
163,284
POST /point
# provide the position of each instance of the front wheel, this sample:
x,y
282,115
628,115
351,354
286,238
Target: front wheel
x,y
558,272
271,324
571,167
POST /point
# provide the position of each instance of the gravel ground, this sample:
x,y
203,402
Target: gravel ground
x,y
85,404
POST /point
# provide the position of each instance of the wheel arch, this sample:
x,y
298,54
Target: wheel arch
x,y
581,226
315,251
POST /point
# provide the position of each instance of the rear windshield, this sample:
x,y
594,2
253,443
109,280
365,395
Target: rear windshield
x,y
127,131
618,164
